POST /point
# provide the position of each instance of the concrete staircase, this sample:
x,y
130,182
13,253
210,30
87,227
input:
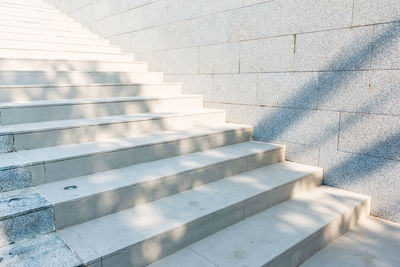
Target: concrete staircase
x,y
104,164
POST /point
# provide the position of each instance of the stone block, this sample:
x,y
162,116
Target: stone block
x,y
274,18
266,55
375,11
147,40
221,58
178,34
288,89
183,61
375,177
344,49
14,178
360,91
370,134
194,84
24,214
303,154
154,14
303,126
235,88
386,47
247,114
49,250
123,40
157,60
6,143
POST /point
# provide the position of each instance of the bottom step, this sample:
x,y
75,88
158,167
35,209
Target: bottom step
x,y
284,235
374,242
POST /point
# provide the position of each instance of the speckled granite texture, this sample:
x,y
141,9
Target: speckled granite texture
x,y
319,76
46,250
24,214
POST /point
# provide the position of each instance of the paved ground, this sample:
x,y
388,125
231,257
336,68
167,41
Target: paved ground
x,y
374,242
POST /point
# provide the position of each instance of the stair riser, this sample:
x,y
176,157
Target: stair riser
x,y
91,110
51,66
88,133
9,44
26,226
313,243
52,39
44,78
54,55
72,92
50,171
167,243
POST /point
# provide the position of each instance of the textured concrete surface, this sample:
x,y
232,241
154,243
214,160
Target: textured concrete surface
x,y
46,250
6,143
283,235
318,61
374,242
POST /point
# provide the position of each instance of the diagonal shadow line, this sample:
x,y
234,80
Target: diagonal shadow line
x,y
330,81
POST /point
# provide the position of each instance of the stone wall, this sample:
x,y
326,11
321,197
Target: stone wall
x,y
320,76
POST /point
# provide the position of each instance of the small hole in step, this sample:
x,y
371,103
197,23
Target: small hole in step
x,y
71,187
13,199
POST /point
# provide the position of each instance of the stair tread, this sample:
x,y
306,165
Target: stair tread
x,y
65,124
260,239
151,171
27,157
78,101
111,234
8,86
373,242
10,50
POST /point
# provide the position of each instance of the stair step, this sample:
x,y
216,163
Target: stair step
x,y
77,77
17,137
62,21
52,39
23,45
283,235
374,242
66,65
26,14
109,192
6,53
27,205
43,33
29,7
143,234
44,25
49,110
199,207
38,166
113,191
21,93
